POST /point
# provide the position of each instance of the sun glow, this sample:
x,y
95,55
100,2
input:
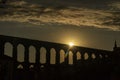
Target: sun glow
x,y
71,44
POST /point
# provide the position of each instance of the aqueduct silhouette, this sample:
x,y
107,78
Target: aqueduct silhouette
x,y
28,55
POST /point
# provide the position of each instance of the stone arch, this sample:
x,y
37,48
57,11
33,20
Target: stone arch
x,y
8,50
31,66
86,56
20,66
42,66
62,56
106,56
78,54
93,56
52,56
20,53
100,55
32,54
70,58
43,52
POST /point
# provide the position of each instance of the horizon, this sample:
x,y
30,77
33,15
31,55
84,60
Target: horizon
x,y
70,44
94,24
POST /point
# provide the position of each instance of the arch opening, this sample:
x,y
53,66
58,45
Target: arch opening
x,y
78,54
86,56
32,54
43,55
8,49
101,56
106,56
62,56
31,66
20,66
93,56
20,53
52,56
70,58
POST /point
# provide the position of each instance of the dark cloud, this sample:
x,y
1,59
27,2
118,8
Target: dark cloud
x,y
94,4
79,13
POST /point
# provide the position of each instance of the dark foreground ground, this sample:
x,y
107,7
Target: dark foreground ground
x,y
70,73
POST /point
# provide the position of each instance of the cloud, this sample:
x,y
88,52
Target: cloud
x,y
115,6
22,11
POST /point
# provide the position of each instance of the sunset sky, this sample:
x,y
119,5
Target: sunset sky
x,y
87,23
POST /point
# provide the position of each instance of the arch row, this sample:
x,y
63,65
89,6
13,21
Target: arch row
x,y
49,55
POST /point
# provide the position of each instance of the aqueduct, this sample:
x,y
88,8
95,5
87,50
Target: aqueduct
x,y
33,54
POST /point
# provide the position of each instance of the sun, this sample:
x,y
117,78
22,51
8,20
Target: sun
x,y
71,44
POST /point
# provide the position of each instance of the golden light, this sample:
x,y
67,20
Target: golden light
x,y
71,44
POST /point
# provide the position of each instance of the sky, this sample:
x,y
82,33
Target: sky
x,y
87,23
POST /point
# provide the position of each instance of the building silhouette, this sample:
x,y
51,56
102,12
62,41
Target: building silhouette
x,y
86,63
